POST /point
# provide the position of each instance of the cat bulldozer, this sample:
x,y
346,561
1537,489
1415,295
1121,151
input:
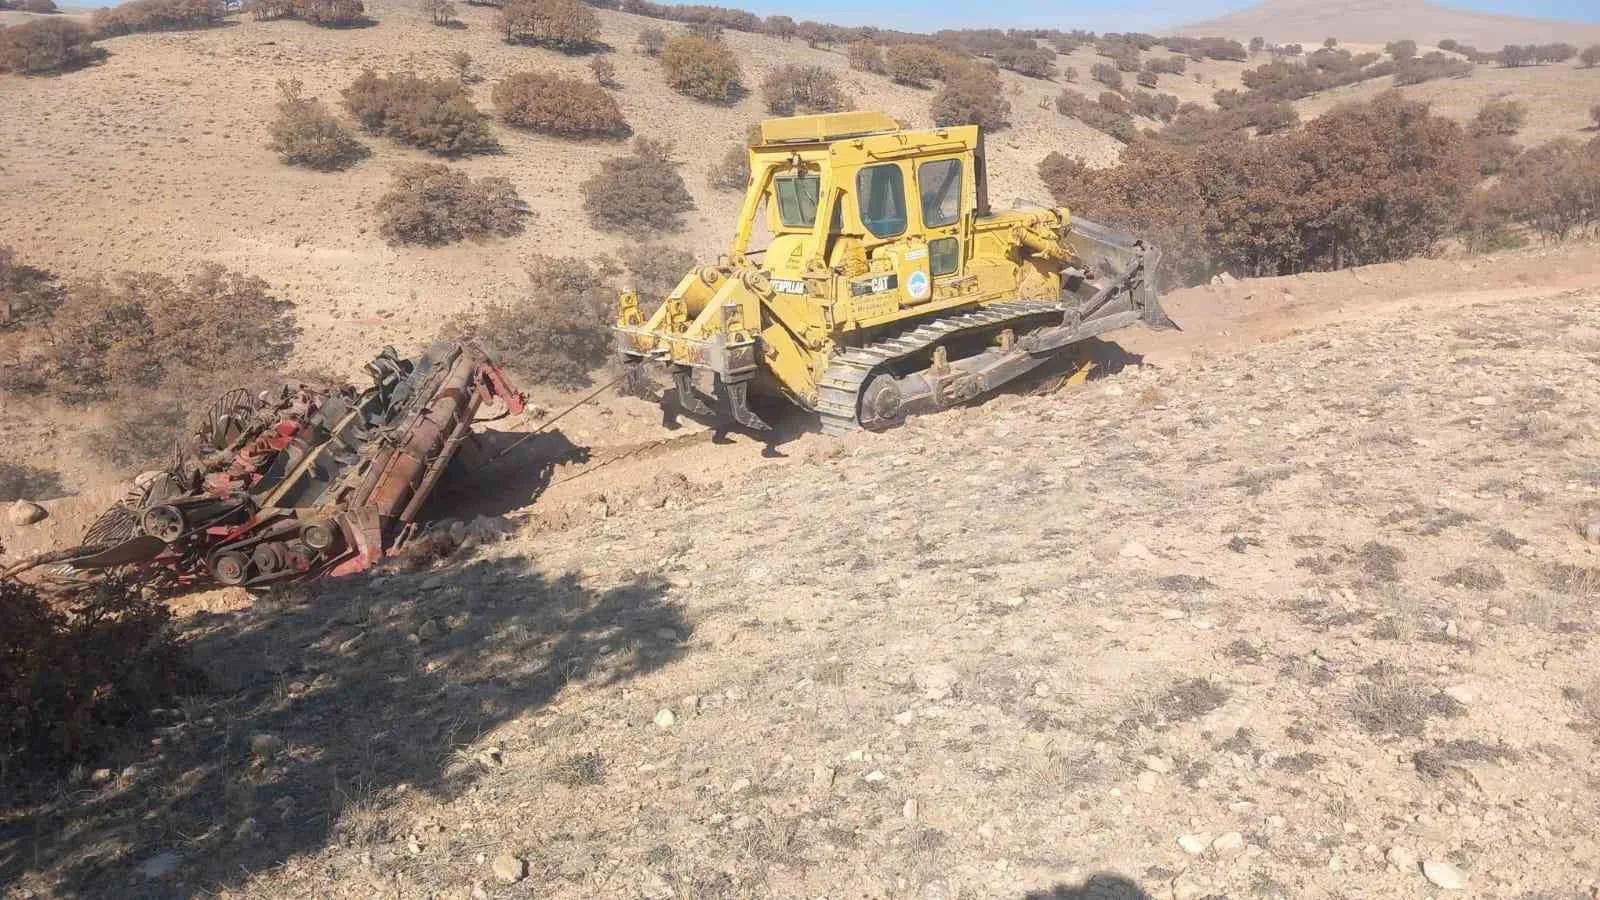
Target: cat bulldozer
x,y
887,285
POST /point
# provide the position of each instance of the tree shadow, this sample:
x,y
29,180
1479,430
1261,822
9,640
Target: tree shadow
x,y
330,710
22,481
1103,886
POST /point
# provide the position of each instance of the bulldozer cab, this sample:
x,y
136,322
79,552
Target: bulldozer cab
x,y
851,198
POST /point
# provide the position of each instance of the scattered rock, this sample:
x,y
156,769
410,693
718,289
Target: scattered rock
x,y
1194,844
1134,550
248,831
936,681
822,778
1590,530
1228,843
904,718
1158,764
508,869
911,810
873,777
266,745
1444,875
25,512
1402,858
665,718
1462,694
1147,782
161,865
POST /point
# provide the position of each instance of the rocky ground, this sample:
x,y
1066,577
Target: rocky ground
x,y
1307,619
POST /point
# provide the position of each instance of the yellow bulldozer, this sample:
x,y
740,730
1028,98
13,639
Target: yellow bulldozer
x,y
887,285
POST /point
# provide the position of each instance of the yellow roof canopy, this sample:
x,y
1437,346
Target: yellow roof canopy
x,y
825,127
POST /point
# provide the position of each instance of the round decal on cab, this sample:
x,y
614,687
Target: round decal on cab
x,y
917,285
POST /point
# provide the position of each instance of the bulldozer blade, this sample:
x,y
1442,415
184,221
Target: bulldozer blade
x,y
687,398
1131,261
739,406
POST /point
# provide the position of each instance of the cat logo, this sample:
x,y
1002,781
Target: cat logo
x,y
789,285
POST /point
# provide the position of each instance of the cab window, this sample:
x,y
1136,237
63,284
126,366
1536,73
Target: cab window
x,y
940,185
797,199
881,193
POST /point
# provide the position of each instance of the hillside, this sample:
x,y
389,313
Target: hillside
x,y
1378,21
1285,614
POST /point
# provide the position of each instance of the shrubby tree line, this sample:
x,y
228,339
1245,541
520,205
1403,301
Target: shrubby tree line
x,y
1365,183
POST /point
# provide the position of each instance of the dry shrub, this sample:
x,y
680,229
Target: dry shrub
x,y
732,173
556,104
788,90
1118,125
566,25
971,96
604,71
1270,118
559,331
865,56
1106,74
1498,117
432,113
1034,62
47,46
433,204
42,7
1555,188
638,193
1427,68
442,12
1364,183
701,68
1590,57
651,41
157,15
28,295
77,672
1154,106
146,330
655,269
914,64
329,13
307,134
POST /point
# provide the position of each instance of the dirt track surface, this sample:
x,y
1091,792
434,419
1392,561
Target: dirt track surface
x,y
1296,616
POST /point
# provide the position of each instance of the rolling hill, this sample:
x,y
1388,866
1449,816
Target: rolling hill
x,y
1308,21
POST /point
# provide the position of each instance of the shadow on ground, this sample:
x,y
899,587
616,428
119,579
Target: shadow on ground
x,y
328,710
1104,886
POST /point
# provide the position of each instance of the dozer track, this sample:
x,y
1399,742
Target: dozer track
x,y
842,400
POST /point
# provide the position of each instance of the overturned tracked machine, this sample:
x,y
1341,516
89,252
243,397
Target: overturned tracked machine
x,y
887,285
302,482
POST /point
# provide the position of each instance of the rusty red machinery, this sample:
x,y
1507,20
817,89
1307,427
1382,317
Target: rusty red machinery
x,y
303,482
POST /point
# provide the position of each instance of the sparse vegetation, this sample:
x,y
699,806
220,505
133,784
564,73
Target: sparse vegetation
x,y
442,12
1555,188
558,104
865,56
1096,116
971,96
559,330
651,41
789,90
432,204
157,15
732,172
565,25
604,72
655,269
701,68
1498,117
638,193
1590,57
1364,183
47,47
78,674
306,134
1034,62
432,113
914,65
146,330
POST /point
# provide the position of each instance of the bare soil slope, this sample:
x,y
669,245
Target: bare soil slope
x,y
1301,612
1309,21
